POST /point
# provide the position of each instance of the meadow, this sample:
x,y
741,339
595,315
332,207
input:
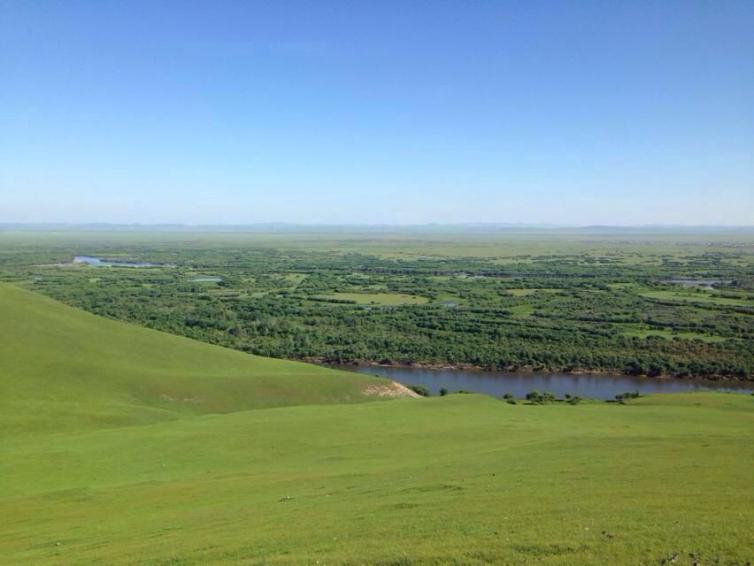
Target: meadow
x,y
126,445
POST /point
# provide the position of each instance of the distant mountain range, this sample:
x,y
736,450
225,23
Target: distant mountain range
x,y
435,228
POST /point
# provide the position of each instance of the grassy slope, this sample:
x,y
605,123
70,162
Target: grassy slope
x,y
464,478
62,368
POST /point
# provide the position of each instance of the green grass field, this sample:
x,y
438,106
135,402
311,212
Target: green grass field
x,y
669,334
386,299
122,445
694,297
62,368
527,292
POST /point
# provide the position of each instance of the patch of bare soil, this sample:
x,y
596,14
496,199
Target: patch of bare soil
x,y
392,389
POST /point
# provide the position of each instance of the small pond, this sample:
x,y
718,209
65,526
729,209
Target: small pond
x,y
99,262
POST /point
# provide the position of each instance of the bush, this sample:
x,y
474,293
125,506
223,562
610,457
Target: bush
x,y
627,395
443,392
507,396
419,389
538,398
548,397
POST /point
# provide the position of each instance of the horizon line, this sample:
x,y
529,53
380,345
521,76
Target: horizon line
x,y
439,225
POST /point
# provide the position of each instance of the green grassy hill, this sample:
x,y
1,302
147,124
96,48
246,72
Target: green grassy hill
x,y
62,368
98,467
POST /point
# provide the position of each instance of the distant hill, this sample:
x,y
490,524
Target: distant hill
x,y
431,228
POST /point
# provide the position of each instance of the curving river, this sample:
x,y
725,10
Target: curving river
x,y
594,386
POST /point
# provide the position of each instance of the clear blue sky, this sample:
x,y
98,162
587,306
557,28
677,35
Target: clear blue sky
x,y
414,111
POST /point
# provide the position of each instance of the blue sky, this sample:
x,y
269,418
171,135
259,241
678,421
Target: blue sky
x,y
403,112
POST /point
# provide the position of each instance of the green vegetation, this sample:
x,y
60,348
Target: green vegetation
x,y
62,368
540,398
125,445
670,334
460,478
699,297
650,304
421,390
375,298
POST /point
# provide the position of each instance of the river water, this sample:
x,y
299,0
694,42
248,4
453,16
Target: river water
x,y
519,384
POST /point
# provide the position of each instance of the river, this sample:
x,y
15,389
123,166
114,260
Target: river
x,y
594,386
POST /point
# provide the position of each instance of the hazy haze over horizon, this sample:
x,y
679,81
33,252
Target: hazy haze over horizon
x,y
580,113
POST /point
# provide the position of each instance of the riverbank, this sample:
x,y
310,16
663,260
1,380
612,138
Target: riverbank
x,y
524,369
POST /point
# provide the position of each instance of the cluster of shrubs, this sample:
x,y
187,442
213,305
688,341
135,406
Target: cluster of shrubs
x,y
572,399
540,398
533,397
424,392
543,398
420,390
621,397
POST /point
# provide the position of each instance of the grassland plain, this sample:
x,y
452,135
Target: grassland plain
x,y
674,304
97,470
